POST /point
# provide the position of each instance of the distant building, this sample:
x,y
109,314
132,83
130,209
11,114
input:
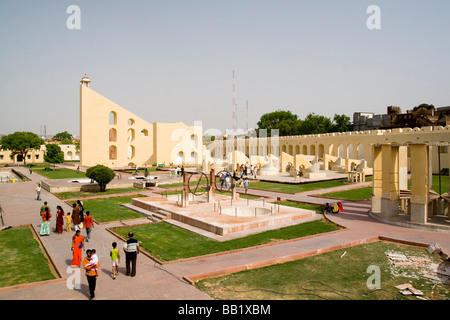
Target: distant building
x,y
424,115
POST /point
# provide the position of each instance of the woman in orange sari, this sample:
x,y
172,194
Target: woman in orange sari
x,y
77,248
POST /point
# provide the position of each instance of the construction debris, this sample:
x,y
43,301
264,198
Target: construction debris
x,y
419,267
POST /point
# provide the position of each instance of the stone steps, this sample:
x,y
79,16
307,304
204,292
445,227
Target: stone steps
x,y
159,215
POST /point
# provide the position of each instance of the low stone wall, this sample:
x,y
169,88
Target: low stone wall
x,y
88,187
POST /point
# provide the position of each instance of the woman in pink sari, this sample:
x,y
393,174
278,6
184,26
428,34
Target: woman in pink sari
x,y
77,248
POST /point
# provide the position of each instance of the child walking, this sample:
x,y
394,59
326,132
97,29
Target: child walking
x,y
68,218
115,259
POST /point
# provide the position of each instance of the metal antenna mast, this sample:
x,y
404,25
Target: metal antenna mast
x,y
246,129
234,118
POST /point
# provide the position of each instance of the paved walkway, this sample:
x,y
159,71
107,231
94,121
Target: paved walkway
x,y
166,282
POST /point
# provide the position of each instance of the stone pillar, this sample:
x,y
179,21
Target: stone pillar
x,y
185,192
390,187
430,166
212,184
419,182
377,179
403,168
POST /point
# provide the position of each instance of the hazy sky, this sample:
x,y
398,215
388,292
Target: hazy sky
x,y
172,60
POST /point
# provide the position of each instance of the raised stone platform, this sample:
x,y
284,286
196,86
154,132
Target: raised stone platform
x,y
239,218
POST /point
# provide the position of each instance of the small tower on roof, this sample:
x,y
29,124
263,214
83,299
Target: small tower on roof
x,y
85,80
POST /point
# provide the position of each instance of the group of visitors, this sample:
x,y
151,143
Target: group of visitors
x,y
334,207
91,263
179,171
82,219
226,180
77,216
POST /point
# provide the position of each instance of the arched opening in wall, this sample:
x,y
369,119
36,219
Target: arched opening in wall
x,y
193,157
112,153
112,135
350,151
341,151
321,151
297,149
261,151
144,133
112,118
283,148
130,122
291,150
360,150
130,135
312,149
180,156
131,152
77,155
331,150
304,150
69,155
193,141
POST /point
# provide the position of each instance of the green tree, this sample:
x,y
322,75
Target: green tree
x,y
60,136
285,121
101,174
54,154
20,143
341,123
313,124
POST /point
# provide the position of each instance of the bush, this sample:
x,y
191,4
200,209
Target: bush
x,y
100,174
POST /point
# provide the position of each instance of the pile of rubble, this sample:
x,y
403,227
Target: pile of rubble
x,y
418,267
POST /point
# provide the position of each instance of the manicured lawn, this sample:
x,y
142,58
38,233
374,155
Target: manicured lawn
x,y
329,276
315,207
353,194
444,184
295,188
81,194
168,242
110,209
22,260
192,183
60,173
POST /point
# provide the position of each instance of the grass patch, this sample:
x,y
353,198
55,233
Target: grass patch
x,y
444,183
82,194
315,207
60,173
295,188
110,209
327,276
168,242
22,259
353,194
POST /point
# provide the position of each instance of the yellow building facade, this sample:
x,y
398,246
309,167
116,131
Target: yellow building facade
x,y
113,136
